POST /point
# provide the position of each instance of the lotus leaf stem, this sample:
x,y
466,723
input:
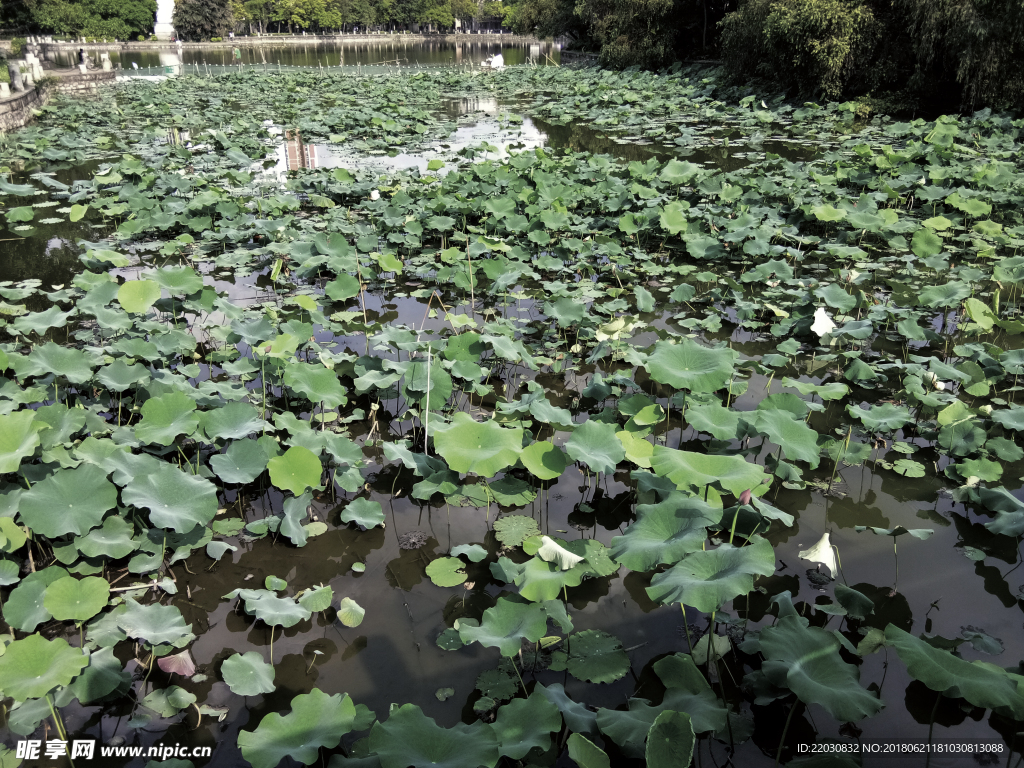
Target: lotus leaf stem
x,y
785,730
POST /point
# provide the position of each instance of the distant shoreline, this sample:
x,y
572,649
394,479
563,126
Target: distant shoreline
x,y
271,41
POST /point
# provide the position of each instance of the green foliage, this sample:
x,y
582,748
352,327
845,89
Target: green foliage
x,y
202,19
94,18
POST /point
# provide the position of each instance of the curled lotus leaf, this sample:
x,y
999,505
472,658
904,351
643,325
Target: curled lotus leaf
x,y
316,720
19,437
690,470
505,625
155,624
525,724
665,532
707,580
596,445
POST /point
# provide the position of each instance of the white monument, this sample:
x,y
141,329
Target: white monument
x,y
164,30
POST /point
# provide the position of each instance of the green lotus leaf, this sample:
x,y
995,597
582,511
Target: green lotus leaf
x,y
544,460
882,418
585,753
167,702
246,674
577,716
806,660
155,624
166,417
68,501
217,549
316,720
178,281
12,536
565,311
481,448
1011,418
24,608
364,512
175,500
232,422
947,296
350,613
271,609
834,295
316,383
798,441
596,657
525,724
1009,511
137,296
410,738
827,213
689,470
120,376
926,243
33,667
539,580
663,533
596,445
242,462
103,676
19,437
670,741
9,572
71,599
473,552
40,322
629,728
295,470
446,571
342,288
74,365
982,684
707,580
691,366
513,530
686,690
113,539
505,625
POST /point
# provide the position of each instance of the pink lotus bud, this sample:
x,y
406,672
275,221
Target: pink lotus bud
x,y
745,497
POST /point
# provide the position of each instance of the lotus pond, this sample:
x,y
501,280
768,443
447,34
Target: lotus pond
x,y
689,435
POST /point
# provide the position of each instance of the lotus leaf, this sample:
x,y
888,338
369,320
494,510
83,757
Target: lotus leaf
x,y
71,599
350,613
246,674
708,580
585,753
525,724
691,366
19,437
74,365
982,684
364,512
663,533
155,624
544,460
597,657
68,501
446,571
167,702
480,448
317,383
166,417
295,470
577,717
33,667
242,462
513,530
316,720
670,741
174,499
540,581
696,470
103,676
137,296
596,445
232,422
410,739
688,691
24,608
505,625
806,660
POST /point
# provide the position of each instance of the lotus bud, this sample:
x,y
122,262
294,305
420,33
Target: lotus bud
x,y
745,497
375,195
986,410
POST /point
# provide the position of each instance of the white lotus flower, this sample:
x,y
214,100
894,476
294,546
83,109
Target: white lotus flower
x,y
822,322
823,553
375,194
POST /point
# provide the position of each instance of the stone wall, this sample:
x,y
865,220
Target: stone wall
x,y
17,110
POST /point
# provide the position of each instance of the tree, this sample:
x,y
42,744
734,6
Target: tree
x,y
632,31
202,19
120,19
